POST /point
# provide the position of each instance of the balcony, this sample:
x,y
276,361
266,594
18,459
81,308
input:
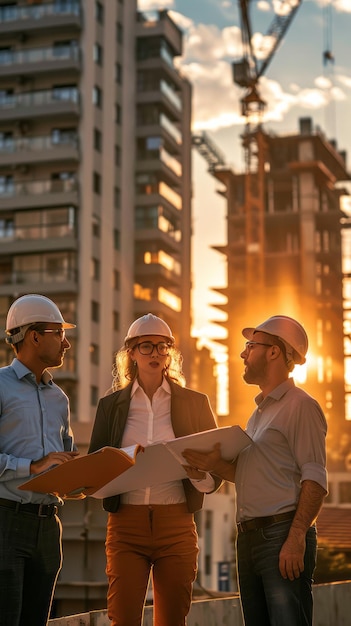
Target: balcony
x,y
51,17
39,60
37,238
28,281
59,101
22,150
38,193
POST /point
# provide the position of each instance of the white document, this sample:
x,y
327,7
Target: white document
x,y
163,462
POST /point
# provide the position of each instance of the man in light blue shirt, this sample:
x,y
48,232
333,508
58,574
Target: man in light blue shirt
x,y
35,434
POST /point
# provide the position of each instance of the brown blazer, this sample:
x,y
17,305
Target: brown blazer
x,y
190,413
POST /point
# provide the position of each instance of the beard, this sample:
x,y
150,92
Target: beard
x,y
255,372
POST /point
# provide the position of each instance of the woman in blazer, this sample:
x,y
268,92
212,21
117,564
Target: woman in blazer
x,y
152,529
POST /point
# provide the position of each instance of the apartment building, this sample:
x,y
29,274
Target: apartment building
x,y
94,176
284,256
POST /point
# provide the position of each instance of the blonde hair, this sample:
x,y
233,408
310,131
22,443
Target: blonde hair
x,y
125,370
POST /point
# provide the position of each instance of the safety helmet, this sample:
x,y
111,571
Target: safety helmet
x,y
28,310
287,330
149,325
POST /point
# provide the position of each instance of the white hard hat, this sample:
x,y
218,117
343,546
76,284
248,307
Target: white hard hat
x,y
288,330
32,309
149,325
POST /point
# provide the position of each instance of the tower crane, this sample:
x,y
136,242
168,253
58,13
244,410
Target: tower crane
x,y
247,73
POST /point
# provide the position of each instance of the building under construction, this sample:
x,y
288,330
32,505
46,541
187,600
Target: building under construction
x,y
284,256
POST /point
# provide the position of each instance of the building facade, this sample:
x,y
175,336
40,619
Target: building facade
x,y
284,256
94,176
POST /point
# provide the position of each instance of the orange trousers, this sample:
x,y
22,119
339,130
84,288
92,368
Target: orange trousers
x,y
157,539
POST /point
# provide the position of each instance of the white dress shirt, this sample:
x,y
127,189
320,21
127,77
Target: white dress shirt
x,y
150,422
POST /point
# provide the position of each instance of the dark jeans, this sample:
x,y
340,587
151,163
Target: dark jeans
x,y
267,598
30,560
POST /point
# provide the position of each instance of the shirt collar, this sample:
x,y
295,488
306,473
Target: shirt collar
x,y
278,392
22,370
165,386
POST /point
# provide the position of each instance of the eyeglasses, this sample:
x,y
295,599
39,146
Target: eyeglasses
x,y
147,347
250,344
59,332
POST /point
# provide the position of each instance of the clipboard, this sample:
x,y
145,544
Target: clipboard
x,y
81,476
111,471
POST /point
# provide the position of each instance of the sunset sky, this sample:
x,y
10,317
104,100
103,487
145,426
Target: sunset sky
x,y
296,84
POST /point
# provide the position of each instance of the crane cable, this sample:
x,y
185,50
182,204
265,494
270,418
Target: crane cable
x,y
328,66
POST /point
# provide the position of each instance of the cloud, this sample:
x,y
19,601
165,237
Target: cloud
x,y
344,80
153,5
208,52
342,6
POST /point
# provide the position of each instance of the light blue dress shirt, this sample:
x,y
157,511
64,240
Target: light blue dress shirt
x,y
34,420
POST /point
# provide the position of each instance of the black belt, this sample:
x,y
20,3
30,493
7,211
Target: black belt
x,y
261,522
41,510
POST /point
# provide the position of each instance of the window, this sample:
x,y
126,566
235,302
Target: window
x,y
119,32
7,229
95,311
117,156
116,280
99,12
97,140
117,198
6,185
6,141
97,96
95,269
64,48
118,114
118,71
67,93
63,135
116,239
96,183
116,321
96,227
94,353
94,395
98,54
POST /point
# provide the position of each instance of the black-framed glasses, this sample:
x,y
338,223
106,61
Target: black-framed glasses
x,y
250,344
147,347
59,332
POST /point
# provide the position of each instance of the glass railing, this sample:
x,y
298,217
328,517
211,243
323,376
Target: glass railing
x,y
171,162
37,232
38,187
39,55
33,144
171,95
39,98
169,194
11,13
171,128
22,277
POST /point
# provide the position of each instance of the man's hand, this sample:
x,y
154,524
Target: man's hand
x,y
205,461
291,557
53,458
210,461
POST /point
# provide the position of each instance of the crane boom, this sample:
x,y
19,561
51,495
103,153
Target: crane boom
x,y
247,71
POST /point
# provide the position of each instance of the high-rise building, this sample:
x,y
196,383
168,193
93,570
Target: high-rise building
x,y
284,256
94,176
